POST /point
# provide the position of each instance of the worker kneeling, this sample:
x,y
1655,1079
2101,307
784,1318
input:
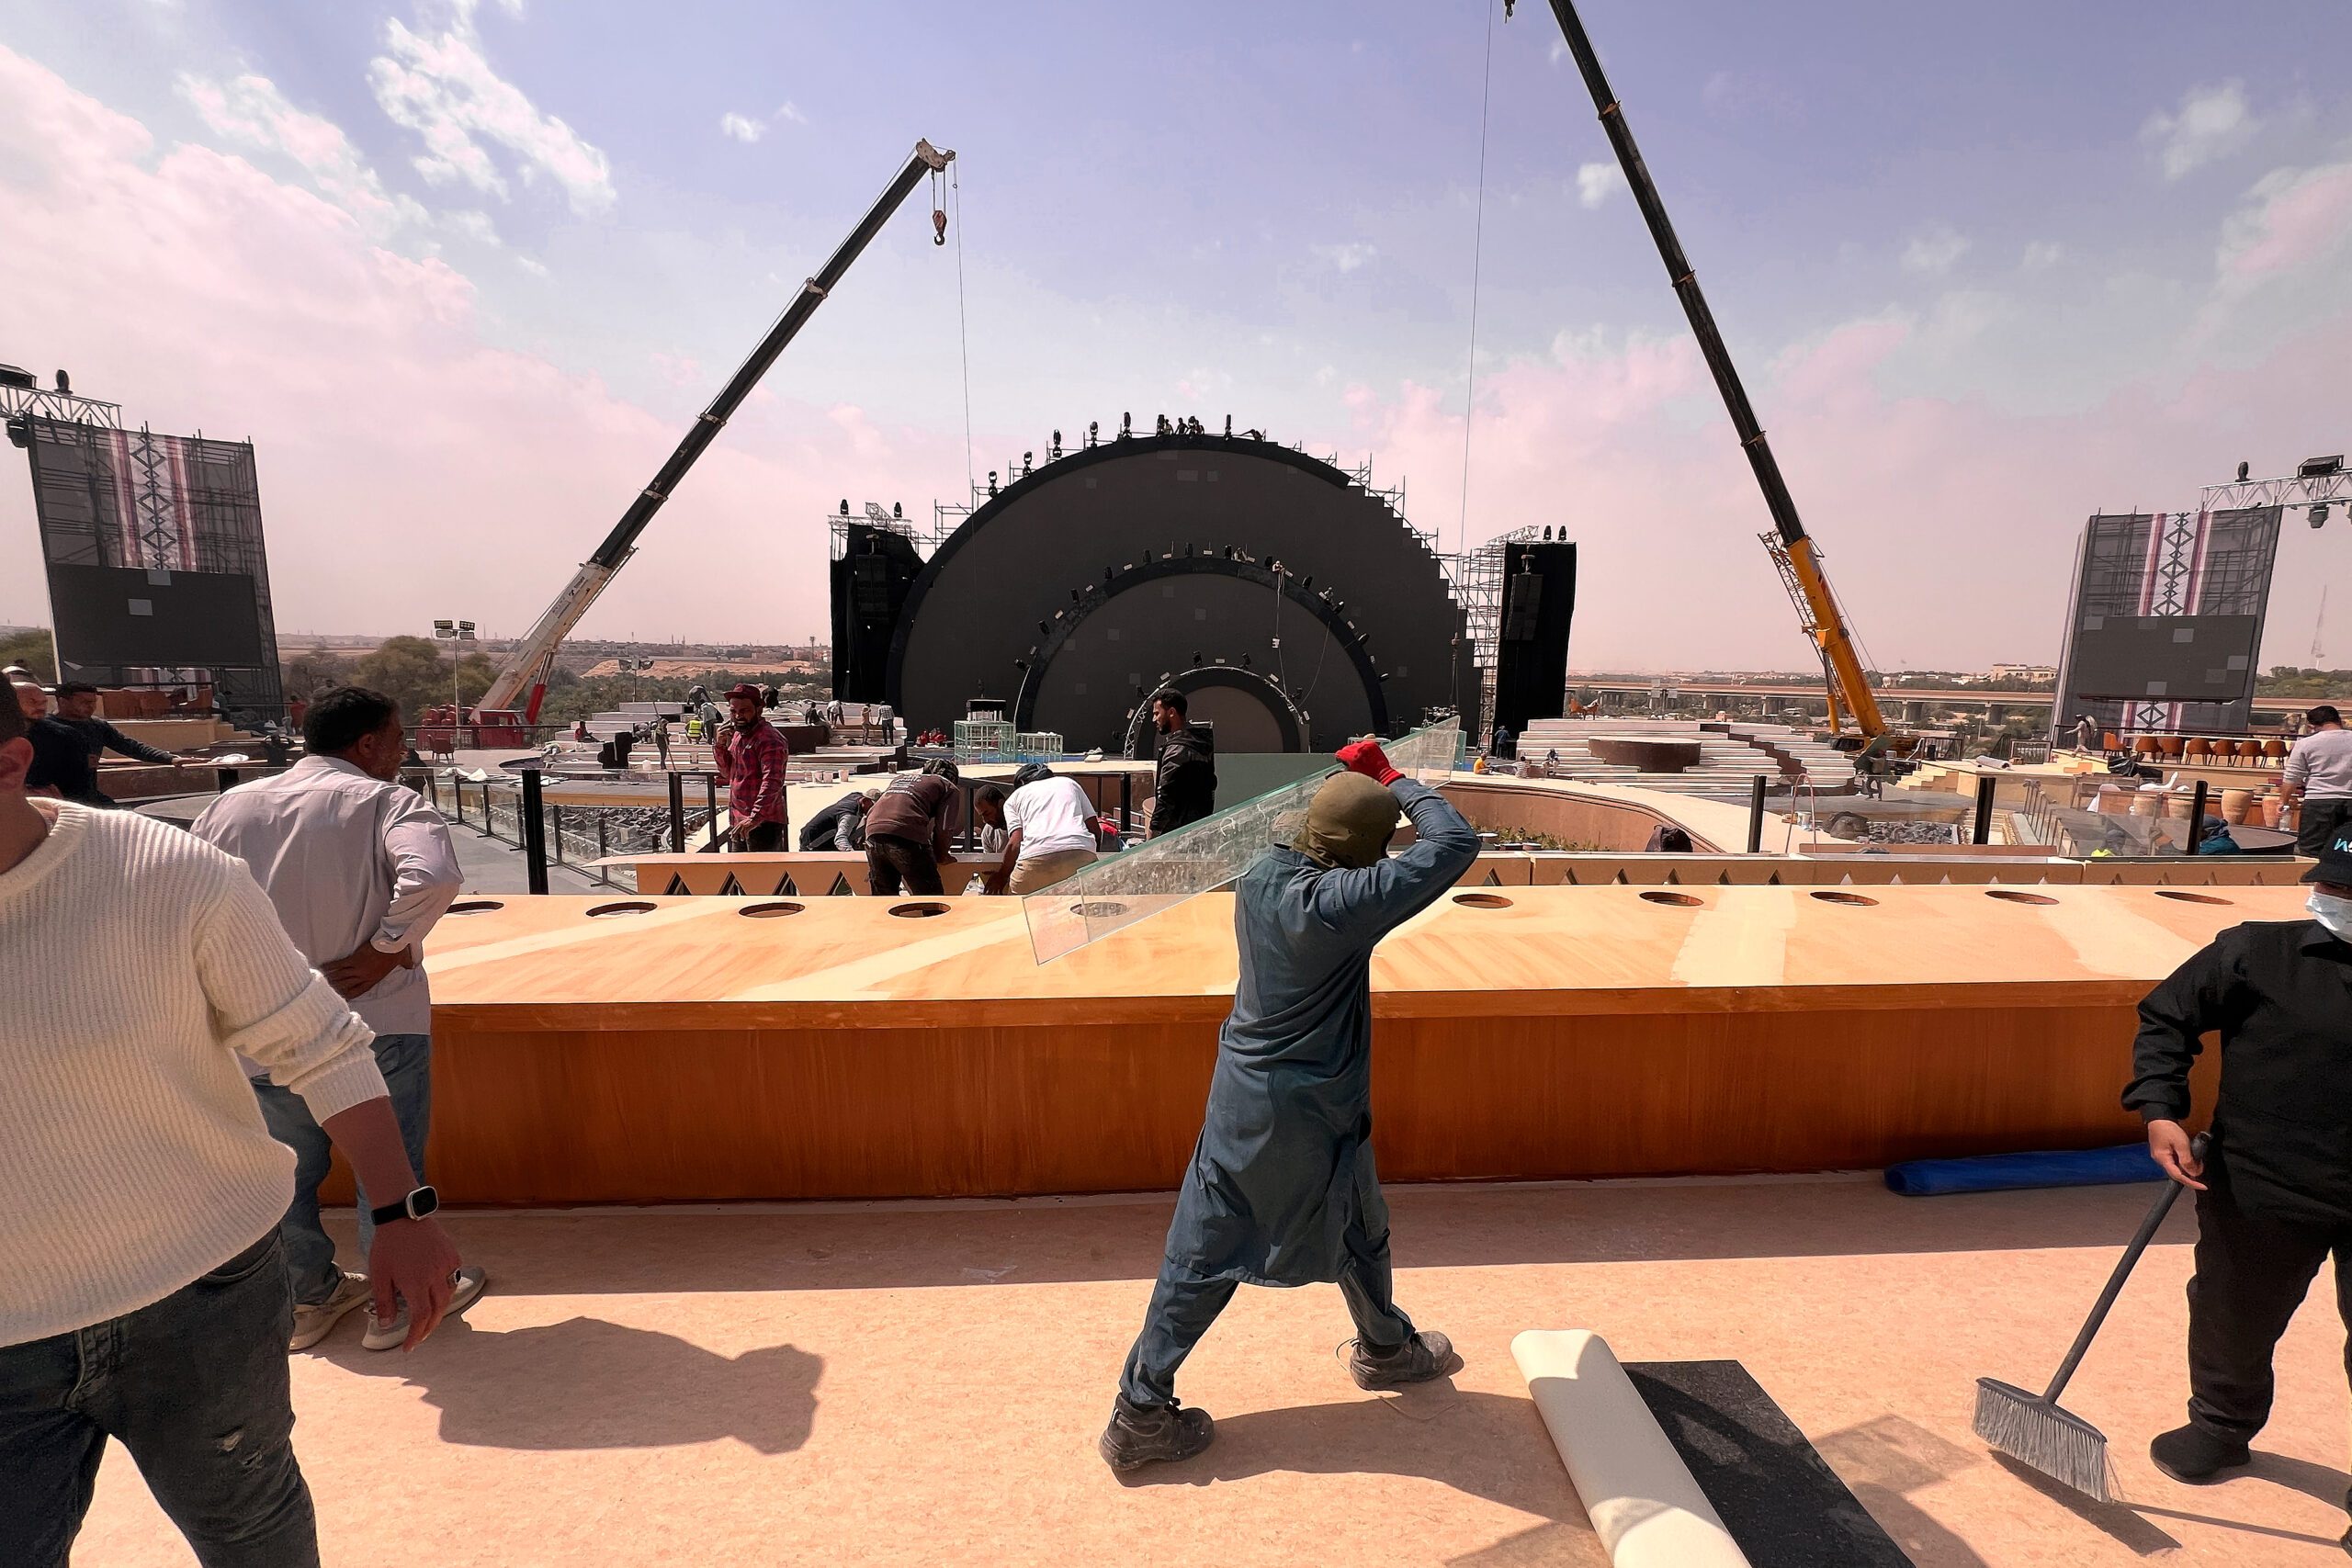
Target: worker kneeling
x,y
1281,1189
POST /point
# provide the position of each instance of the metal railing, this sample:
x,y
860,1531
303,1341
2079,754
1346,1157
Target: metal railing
x,y
575,837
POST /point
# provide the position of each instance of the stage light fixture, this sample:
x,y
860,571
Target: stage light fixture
x,y
898,511
844,506
2319,516
2320,468
2243,470
64,384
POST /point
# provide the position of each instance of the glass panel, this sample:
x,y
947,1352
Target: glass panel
x,y
1119,890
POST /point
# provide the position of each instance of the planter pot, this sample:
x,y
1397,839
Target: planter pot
x,y
2234,806
2271,807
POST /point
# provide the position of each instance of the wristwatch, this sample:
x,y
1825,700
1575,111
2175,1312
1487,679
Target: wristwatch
x,y
415,1206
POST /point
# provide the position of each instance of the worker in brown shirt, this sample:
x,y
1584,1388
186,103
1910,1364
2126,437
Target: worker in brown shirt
x,y
907,831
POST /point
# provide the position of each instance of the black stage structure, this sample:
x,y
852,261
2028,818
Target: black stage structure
x,y
157,572
1293,605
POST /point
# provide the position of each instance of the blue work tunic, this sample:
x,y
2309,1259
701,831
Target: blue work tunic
x,y
1283,1167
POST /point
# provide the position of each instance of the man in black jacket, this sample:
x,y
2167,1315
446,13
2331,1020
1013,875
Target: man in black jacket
x,y
78,710
2274,1191
1184,789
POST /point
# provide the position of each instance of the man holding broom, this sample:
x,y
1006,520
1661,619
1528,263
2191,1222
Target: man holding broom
x,y
2274,1193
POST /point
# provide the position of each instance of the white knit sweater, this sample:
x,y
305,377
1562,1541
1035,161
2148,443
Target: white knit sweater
x,y
135,962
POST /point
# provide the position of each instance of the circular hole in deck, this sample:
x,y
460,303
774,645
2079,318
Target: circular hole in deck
x,y
1098,909
1680,900
2013,895
1832,895
631,907
770,912
919,911
1482,900
2189,897
475,906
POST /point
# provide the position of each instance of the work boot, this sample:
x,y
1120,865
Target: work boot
x,y
1426,1355
1147,1434
2192,1454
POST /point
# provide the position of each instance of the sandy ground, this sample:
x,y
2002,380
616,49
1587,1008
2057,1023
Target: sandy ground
x,y
923,1383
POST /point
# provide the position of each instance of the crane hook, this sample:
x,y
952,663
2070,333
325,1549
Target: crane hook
x,y
938,226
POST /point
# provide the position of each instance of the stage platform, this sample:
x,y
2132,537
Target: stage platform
x,y
706,1048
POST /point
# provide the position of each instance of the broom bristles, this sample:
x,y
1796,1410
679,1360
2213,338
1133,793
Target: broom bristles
x,y
2038,1434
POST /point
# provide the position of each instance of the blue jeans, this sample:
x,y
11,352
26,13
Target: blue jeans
x,y
194,1386
406,1062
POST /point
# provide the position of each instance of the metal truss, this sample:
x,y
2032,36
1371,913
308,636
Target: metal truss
x,y
64,407
2288,492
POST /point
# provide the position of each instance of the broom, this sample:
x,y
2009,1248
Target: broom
x,y
2030,1428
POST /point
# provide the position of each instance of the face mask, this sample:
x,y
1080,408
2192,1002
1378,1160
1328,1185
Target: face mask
x,y
2333,912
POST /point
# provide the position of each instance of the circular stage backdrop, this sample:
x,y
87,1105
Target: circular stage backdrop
x,y
1293,608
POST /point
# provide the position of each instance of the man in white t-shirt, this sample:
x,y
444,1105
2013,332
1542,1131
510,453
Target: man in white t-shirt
x,y
1049,825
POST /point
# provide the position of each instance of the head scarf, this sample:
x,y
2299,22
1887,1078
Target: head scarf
x,y
1348,822
1030,773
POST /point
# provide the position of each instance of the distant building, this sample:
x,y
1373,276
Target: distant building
x,y
2039,672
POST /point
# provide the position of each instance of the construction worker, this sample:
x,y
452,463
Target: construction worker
x,y
750,754
1282,1188
2274,1190
907,831
1184,788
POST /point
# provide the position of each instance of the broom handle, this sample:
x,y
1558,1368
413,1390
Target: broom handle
x,y
2124,1267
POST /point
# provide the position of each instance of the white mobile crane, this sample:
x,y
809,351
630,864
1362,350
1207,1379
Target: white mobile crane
x,y
512,703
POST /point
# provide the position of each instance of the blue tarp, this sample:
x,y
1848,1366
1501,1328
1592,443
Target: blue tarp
x,y
1998,1173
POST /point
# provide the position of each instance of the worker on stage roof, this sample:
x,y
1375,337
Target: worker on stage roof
x,y
1282,1188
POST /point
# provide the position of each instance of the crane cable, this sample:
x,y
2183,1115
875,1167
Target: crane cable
x,y
1477,256
963,331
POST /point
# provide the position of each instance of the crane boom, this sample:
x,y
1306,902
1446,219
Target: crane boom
x,y
526,668
1793,550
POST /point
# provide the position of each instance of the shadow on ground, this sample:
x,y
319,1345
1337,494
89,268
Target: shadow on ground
x,y
566,1252
586,1383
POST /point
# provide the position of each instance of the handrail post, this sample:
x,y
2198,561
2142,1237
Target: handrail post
x,y
1756,815
535,833
677,814
1982,832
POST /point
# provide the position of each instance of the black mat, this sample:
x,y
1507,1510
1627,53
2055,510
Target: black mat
x,y
1783,1505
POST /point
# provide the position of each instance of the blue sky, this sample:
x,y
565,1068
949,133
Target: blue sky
x,y
1990,267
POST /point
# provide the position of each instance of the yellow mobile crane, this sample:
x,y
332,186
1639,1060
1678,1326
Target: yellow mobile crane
x,y
1794,554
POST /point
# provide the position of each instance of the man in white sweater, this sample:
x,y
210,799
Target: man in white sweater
x,y
142,1283
358,868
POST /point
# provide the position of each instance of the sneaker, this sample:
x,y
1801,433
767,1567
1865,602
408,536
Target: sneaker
x,y
2192,1454
470,1283
1426,1355
312,1323
1140,1434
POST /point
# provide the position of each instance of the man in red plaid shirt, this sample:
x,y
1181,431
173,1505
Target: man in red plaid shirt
x,y
751,756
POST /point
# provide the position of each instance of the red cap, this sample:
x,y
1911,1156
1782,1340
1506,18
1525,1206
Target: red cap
x,y
744,689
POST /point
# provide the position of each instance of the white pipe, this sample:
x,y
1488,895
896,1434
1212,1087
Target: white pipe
x,y
1646,1508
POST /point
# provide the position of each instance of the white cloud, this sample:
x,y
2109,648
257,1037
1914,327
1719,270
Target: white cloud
x,y
789,110
2210,123
1933,252
742,128
2041,255
536,268
1595,181
1350,256
252,112
440,86
2294,219
472,223
1559,50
